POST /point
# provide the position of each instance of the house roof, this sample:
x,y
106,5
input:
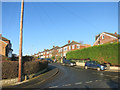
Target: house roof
x,y
73,42
3,38
115,35
112,34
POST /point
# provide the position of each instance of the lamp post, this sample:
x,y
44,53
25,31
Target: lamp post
x,y
20,47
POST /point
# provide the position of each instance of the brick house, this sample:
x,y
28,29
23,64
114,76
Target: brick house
x,y
72,46
61,51
6,46
106,37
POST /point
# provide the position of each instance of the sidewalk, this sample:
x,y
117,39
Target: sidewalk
x,y
112,69
41,78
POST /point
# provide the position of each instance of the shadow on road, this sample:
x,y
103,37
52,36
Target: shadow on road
x,y
51,67
113,84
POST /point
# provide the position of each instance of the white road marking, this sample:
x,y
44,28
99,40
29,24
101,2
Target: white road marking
x,y
53,87
66,85
116,76
96,80
88,82
78,83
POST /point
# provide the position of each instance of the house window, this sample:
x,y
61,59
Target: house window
x,y
59,50
103,36
72,46
69,47
65,48
64,54
78,46
119,40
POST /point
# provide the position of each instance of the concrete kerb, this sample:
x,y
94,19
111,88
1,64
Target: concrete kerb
x,y
14,81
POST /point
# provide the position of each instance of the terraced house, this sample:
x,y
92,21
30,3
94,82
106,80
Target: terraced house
x,y
61,51
106,37
5,48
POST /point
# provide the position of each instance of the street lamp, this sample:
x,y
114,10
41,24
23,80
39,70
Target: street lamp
x,y
20,47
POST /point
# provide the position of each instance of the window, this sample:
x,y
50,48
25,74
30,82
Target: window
x,y
59,50
65,48
78,46
69,47
72,46
103,36
119,40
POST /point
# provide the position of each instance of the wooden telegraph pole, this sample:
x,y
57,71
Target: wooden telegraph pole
x,y
20,47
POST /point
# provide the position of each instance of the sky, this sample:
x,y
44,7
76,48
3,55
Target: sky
x,y
54,23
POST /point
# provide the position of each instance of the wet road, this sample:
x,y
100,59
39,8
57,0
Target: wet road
x,y
73,77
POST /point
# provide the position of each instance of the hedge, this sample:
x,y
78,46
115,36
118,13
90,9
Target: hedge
x,y
31,67
10,68
101,53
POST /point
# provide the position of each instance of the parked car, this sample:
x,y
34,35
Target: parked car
x,y
49,60
69,63
94,65
42,58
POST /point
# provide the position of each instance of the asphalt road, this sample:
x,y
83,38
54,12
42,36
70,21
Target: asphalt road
x,y
74,77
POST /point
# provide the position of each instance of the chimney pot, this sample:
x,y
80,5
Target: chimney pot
x,y
68,41
115,32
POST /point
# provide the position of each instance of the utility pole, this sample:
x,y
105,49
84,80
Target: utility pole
x,y
20,47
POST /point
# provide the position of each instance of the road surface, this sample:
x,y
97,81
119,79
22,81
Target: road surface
x,y
74,77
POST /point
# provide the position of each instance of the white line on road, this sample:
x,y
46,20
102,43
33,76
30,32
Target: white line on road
x,y
78,83
66,85
116,76
89,82
96,80
53,87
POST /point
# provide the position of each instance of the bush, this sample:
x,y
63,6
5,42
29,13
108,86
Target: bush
x,y
100,53
27,58
9,69
58,58
53,57
34,66
4,58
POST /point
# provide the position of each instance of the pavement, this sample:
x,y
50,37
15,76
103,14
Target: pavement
x,y
109,70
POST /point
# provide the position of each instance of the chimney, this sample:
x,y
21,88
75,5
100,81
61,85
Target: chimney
x,y
115,32
0,36
68,41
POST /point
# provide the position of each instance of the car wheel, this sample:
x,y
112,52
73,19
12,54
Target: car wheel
x,y
86,67
98,69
